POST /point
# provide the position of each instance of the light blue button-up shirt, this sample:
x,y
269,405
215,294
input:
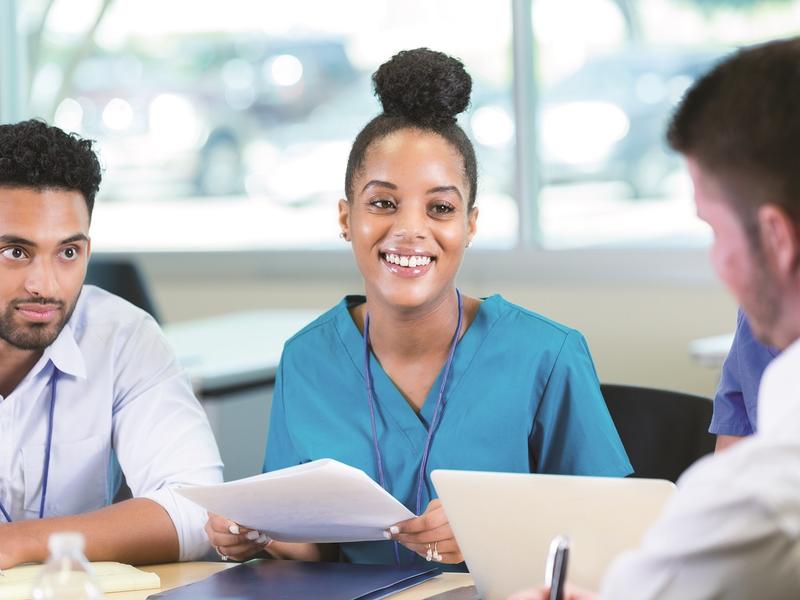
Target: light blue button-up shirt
x,y
736,400
122,400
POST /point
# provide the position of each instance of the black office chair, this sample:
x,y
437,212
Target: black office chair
x,y
122,277
663,431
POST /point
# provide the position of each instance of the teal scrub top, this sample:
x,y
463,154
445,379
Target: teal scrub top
x,y
523,396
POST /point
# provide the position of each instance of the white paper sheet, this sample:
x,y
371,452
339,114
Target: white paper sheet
x,y
320,501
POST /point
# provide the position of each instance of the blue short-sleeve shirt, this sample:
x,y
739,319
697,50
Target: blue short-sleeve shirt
x,y
523,396
736,400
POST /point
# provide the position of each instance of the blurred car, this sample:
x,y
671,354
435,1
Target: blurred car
x,y
172,119
200,116
604,122
607,120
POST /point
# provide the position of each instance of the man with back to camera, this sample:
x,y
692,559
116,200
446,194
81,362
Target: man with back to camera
x,y
87,380
733,528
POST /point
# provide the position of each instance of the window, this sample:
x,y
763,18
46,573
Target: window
x,y
226,125
610,74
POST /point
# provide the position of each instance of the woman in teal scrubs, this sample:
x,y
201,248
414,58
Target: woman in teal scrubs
x,y
415,376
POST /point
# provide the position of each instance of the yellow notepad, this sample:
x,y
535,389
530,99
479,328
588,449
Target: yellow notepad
x,y
109,576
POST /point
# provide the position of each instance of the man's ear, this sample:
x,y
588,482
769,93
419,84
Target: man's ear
x,y
779,239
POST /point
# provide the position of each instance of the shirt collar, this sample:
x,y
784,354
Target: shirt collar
x,y
66,355
779,394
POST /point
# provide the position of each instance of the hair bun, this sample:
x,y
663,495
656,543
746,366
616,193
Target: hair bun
x,y
424,86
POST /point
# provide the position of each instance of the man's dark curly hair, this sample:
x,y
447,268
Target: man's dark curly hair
x,y
36,155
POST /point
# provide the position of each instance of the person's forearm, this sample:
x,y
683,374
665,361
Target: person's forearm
x,y
726,441
137,531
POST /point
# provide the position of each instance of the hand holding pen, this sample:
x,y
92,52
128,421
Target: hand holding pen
x,y
555,576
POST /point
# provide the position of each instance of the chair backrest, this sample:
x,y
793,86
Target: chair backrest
x,y
121,277
663,431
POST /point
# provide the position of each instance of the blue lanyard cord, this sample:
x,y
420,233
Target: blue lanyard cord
x,y
48,446
46,468
5,513
371,402
437,411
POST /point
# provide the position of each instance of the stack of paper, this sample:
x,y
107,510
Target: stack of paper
x,y
320,501
16,583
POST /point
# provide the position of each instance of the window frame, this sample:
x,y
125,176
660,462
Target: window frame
x,y
12,65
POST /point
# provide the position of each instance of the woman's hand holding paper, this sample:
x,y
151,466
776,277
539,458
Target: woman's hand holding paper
x,y
429,535
233,541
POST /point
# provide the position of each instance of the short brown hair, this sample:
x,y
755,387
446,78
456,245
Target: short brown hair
x,y
741,123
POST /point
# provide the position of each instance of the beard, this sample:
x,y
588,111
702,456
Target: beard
x,y
33,336
762,305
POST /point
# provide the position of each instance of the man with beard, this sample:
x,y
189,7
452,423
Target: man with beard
x,y
88,383
733,528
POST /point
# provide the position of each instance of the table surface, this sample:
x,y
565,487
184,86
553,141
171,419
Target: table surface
x,y
235,350
177,574
711,351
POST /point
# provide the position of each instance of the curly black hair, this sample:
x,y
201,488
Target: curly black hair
x,y
36,155
420,89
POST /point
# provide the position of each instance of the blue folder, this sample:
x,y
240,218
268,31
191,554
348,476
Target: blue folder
x,y
296,580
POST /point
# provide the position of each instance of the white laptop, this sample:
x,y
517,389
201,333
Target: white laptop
x,y
504,523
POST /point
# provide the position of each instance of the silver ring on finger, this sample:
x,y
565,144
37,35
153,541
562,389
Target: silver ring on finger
x,y
436,556
221,554
429,553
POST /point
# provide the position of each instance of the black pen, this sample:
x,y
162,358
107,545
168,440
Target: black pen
x,y
555,574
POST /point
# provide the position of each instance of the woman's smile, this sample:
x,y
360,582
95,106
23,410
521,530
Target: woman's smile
x,y
407,263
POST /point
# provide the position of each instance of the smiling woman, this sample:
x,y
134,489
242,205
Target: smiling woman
x,y
415,376
408,216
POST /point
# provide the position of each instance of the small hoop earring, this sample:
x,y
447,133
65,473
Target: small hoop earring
x,y
342,235
469,243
